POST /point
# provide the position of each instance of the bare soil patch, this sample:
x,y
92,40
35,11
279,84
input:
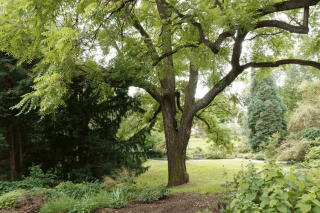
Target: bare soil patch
x,y
175,203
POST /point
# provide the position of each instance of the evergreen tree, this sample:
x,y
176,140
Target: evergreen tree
x,y
15,81
265,113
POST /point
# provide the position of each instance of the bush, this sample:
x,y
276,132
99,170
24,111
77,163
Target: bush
x,y
293,150
36,179
272,191
259,156
9,199
269,147
120,176
313,154
243,147
216,152
311,133
198,150
159,149
149,194
79,190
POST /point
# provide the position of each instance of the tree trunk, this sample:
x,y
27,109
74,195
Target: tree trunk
x,y
13,173
15,142
177,171
176,145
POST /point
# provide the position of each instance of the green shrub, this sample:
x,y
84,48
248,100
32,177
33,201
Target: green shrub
x,y
36,179
313,154
293,150
259,156
197,150
311,133
9,199
79,190
149,194
271,190
270,146
216,152
72,201
119,176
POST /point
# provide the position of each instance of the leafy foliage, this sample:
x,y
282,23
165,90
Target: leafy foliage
x,y
293,150
8,199
148,194
313,154
37,179
311,133
307,114
265,113
272,190
157,46
289,91
82,143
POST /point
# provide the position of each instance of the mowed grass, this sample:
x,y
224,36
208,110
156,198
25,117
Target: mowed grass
x,y
198,142
206,176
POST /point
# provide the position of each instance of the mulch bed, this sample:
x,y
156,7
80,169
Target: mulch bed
x,y
172,203
175,203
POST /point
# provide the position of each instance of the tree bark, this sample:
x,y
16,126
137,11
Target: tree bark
x,y
16,156
176,150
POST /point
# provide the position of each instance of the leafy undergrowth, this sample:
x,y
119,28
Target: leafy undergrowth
x,y
274,190
70,197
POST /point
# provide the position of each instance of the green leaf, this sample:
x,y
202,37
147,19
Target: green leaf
x,y
282,207
315,201
251,196
304,207
292,184
273,202
254,187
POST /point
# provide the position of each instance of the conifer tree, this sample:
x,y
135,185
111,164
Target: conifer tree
x,y
265,113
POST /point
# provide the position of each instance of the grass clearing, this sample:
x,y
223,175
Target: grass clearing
x,y
206,176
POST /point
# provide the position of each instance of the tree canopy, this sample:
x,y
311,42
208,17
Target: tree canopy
x,y
164,47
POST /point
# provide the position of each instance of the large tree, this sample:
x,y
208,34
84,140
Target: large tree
x,y
164,47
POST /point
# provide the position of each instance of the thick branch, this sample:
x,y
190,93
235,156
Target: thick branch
x,y
263,34
237,49
155,114
288,5
157,61
191,87
228,79
304,29
147,39
215,47
281,62
180,108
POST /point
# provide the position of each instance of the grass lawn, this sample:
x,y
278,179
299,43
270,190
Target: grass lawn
x,y
205,176
198,142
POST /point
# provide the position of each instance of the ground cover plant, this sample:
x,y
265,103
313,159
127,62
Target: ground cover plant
x,y
274,190
70,197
